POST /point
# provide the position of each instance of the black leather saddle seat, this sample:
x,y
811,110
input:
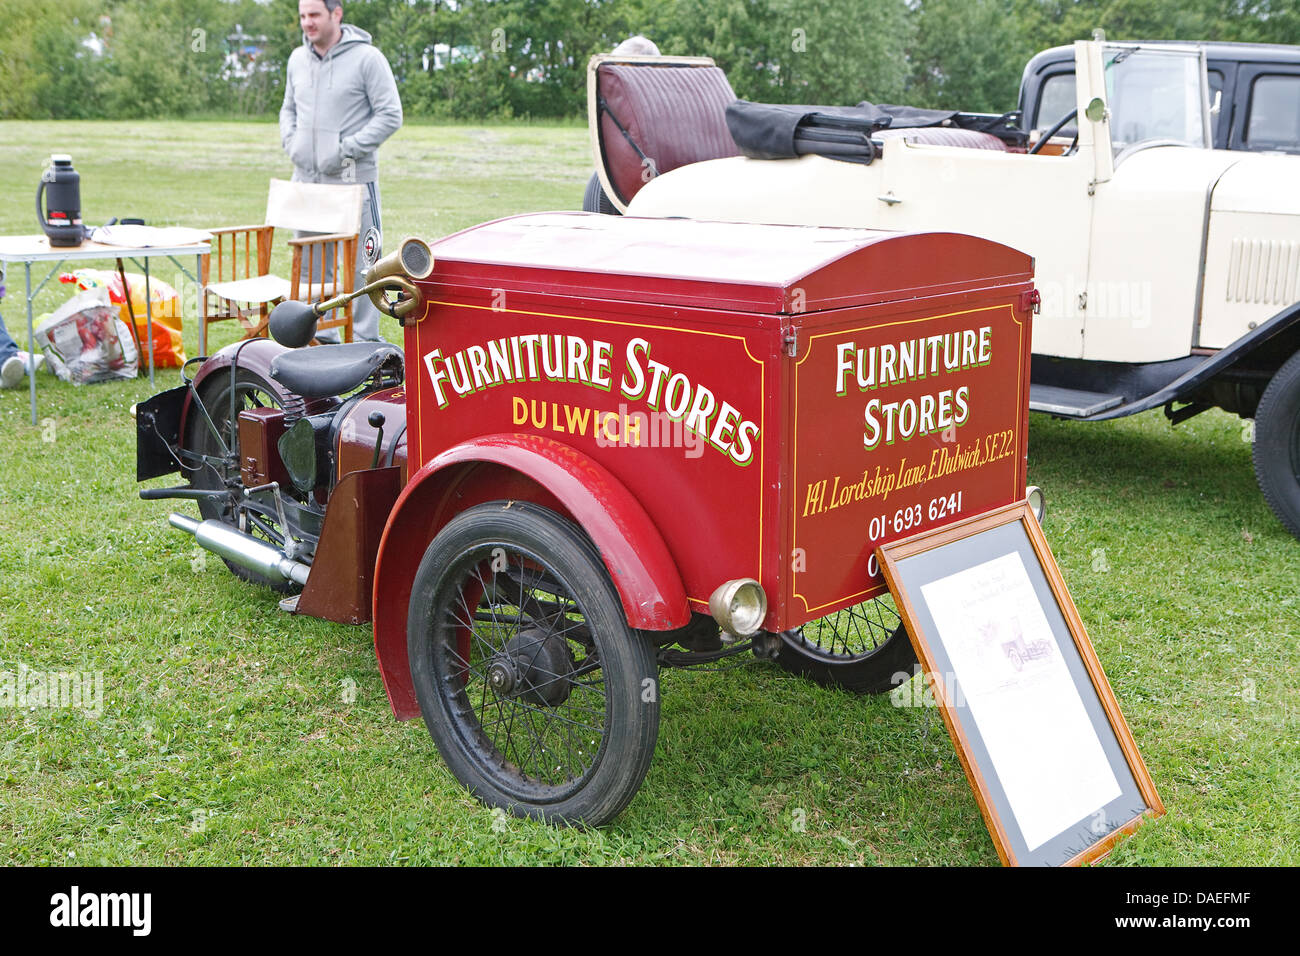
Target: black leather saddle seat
x,y
333,369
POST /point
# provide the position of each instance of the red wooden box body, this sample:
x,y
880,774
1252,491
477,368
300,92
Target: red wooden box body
x,y
704,365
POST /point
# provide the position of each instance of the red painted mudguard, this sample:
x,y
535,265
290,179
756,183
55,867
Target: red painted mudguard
x,y
530,468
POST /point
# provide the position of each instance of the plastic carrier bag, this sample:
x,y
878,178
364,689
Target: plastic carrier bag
x,y
85,341
168,349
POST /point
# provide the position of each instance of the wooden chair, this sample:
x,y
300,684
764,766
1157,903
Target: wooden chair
x,y
236,274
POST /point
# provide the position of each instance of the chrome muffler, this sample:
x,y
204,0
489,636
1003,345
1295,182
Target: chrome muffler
x,y
242,549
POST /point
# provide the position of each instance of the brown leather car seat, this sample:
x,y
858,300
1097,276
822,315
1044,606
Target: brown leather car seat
x,y
655,117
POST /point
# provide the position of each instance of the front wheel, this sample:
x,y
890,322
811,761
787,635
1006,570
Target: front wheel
x,y
539,696
863,649
1276,451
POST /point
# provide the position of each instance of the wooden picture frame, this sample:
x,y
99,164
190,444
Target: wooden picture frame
x,y
1057,775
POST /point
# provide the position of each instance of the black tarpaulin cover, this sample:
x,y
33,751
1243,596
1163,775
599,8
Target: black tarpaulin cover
x,y
784,130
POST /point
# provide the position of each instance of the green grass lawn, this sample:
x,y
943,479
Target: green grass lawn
x,y
232,733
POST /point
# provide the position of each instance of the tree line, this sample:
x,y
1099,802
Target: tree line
x,y
496,59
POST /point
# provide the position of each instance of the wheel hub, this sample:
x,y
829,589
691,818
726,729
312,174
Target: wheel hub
x,y
502,676
534,667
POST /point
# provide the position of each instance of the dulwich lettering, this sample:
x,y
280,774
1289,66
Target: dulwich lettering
x,y
944,461
569,358
607,426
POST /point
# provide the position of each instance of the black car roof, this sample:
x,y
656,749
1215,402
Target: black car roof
x,y
1214,50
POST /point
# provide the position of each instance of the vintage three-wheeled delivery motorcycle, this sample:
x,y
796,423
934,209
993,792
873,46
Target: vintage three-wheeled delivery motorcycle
x,y
609,445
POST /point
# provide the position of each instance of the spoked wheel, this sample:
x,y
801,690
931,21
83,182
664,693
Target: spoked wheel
x,y
863,648
216,459
539,696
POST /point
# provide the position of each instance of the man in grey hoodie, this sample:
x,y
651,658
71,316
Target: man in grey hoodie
x,y
340,103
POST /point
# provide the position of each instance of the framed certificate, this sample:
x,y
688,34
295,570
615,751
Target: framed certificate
x,y
1050,758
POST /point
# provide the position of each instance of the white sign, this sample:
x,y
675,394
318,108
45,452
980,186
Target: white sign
x,y
1012,677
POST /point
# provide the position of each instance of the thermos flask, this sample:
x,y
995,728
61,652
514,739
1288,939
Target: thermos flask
x,y
62,222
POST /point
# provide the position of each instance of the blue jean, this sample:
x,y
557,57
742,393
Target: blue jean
x,y
7,345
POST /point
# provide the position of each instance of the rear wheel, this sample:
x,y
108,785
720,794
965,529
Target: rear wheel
x,y
217,459
1276,451
863,649
539,696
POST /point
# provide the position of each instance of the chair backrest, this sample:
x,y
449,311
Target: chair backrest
x,y
314,207
660,112
236,252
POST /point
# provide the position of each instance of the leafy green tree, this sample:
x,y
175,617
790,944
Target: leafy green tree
x,y
968,54
838,51
162,59
1142,20
1052,22
45,70
1267,21
528,57
841,51
536,51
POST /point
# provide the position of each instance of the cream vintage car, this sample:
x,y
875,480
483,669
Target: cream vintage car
x,y
1169,271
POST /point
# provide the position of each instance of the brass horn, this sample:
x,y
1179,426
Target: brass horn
x,y
413,259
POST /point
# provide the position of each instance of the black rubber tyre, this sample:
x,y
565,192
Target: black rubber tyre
x,y
539,696
1277,444
863,649
218,471
596,200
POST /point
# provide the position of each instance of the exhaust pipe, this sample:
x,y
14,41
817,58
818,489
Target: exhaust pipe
x,y
242,549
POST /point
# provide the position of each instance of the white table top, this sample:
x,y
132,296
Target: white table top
x,y
38,249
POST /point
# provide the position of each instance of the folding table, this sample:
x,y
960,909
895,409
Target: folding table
x,y
30,249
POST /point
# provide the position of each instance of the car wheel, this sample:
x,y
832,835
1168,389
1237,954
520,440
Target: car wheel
x,y
1276,451
864,649
596,200
539,696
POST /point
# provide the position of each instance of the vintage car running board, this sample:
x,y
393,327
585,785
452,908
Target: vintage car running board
x,y
1181,380
1070,402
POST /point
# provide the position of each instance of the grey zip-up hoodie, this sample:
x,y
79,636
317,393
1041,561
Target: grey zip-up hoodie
x,y
338,109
